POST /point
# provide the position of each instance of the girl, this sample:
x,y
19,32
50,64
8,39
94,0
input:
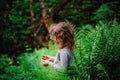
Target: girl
x,y
63,35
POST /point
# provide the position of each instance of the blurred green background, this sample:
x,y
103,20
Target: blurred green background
x,y
97,38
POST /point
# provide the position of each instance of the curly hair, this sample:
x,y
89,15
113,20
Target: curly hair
x,y
63,34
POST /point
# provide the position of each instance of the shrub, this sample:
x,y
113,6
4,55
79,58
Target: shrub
x,y
96,55
27,67
97,51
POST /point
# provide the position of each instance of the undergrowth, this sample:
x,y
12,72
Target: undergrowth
x,y
97,56
28,67
97,52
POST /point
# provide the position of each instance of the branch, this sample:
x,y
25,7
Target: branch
x,y
38,30
58,8
32,17
45,15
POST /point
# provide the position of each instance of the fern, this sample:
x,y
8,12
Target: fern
x,y
106,11
97,46
97,56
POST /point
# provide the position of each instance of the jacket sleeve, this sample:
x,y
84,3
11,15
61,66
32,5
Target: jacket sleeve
x,y
61,61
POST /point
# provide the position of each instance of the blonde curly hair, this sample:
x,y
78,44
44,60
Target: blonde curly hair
x,y
63,35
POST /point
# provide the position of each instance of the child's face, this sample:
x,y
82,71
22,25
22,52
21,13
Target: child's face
x,y
54,39
58,41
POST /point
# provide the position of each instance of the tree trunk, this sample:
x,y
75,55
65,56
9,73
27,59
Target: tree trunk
x,y
32,17
46,18
58,9
52,18
41,39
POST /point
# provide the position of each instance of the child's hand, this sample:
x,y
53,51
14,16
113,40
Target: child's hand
x,y
47,57
44,63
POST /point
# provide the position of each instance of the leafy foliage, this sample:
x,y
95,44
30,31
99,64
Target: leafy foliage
x,y
96,54
27,67
97,51
106,11
15,26
16,32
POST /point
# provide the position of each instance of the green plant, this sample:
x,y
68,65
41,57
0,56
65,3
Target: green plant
x,y
97,49
27,67
96,55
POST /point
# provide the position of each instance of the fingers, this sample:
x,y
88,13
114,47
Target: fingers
x,y
45,57
44,63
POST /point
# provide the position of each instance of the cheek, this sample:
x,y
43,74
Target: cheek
x,y
56,41
59,41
